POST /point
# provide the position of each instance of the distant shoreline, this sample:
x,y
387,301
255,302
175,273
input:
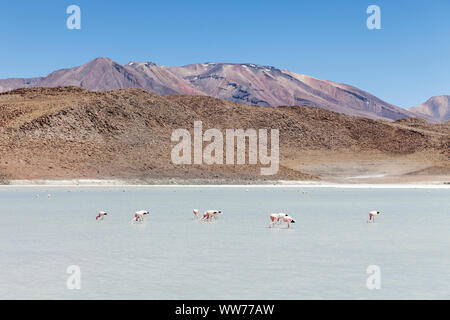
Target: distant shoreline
x,y
205,183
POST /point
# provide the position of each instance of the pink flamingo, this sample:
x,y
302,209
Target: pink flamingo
x,y
288,220
372,215
101,215
139,216
276,218
209,214
273,219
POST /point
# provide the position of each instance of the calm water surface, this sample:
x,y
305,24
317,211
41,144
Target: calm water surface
x,y
172,256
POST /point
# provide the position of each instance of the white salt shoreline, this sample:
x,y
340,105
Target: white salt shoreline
x,y
178,183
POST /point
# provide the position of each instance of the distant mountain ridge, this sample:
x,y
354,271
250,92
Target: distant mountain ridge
x,y
251,84
436,107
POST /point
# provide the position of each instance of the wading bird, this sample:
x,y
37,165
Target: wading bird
x,y
210,214
139,216
276,218
288,220
372,215
101,215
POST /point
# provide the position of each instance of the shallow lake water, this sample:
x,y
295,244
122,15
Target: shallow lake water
x,y
325,255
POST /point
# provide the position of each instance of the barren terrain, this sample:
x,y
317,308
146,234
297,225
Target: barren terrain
x,y
72,133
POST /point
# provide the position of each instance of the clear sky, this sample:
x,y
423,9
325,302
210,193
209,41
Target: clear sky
x,y
404,63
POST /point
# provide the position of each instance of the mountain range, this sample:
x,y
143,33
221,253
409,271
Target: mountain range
x,y
250,84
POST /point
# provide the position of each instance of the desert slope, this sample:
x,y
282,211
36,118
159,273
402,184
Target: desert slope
x,y
68,132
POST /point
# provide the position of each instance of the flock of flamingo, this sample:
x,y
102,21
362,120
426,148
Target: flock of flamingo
x,y
138,217
212,215
278,218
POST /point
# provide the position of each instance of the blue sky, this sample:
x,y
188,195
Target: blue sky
x,y
404,63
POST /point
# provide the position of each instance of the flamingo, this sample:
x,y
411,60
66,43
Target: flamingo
x,y
372,215
101,215
139,216
288,220
274,217
209,214
195,213
281,217
278,218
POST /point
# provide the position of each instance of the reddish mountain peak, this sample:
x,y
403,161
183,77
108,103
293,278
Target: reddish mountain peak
x,y
102,59
99,62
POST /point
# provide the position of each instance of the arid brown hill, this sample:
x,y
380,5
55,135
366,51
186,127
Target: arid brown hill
x,y
68,132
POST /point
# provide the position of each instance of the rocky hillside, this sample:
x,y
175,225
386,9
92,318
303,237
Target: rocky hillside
x,y
69,132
